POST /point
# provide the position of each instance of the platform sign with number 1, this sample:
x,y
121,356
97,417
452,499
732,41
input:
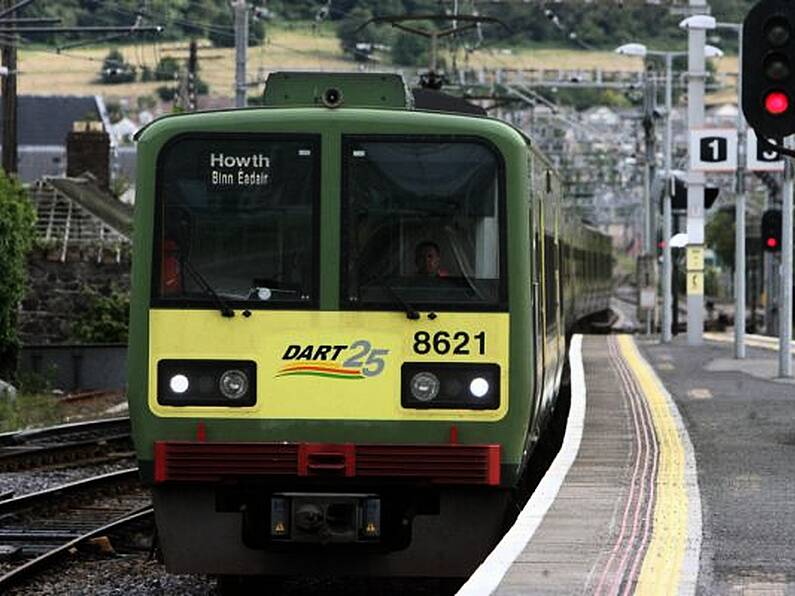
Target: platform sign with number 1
x,y
713,149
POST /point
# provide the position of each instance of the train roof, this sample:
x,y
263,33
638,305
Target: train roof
x,y
354,90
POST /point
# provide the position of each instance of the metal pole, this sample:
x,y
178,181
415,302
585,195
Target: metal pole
x,y
667,272
648,119
675,277
193,67
785,303
739,235
241,43
695,182
9,91
648,233
434,41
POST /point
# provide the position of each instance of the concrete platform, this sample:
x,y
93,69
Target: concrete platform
x,y
643,499
741,419
619,511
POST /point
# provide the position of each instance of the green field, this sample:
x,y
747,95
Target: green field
x,y
75,72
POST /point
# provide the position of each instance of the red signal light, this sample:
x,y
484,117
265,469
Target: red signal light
x,y
771,242
776,103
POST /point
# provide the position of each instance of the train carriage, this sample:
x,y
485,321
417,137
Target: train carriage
x,y
348,327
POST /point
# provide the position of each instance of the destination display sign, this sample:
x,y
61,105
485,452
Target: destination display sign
x,y
249,169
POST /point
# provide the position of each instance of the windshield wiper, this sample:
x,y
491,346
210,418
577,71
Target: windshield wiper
x,y
410,312
226,311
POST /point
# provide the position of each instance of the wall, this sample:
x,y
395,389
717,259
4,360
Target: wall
x,y
56,295
77,367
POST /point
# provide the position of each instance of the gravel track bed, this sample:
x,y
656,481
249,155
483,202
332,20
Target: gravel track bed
x,y
30,481
127,575
135,575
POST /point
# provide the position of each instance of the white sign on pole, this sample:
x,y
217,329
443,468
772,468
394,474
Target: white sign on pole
x,y
713,149
760,159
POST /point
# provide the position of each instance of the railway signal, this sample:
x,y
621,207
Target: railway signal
x,y
768,68
771,230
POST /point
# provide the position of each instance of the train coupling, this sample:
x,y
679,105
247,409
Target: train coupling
x,y
325,518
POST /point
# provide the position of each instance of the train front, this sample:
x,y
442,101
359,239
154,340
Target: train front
x,y
320,339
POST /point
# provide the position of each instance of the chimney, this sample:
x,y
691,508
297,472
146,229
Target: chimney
x,y
88,150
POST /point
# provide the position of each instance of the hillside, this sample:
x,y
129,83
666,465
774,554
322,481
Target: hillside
x,y
74,72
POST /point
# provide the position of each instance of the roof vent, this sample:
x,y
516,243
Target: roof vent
x,y
334,90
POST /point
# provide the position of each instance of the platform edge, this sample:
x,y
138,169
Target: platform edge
x,y
489,574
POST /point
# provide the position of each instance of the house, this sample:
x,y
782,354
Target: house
x,y
43,122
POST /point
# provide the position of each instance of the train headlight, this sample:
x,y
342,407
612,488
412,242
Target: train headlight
x,y
233,384
227,383
424,386
479,387
448,385
179,383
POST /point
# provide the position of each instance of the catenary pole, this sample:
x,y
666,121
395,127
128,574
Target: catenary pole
x,y
241,43
739,236
9,91
740,207
667,269
785,302
695,179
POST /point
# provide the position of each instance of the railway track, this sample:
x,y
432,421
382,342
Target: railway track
x,y
67,444
37,529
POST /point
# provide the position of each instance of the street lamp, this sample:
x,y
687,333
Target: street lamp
x,y
641,51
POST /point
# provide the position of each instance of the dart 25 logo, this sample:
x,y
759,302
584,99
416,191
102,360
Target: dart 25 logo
x,y
359,360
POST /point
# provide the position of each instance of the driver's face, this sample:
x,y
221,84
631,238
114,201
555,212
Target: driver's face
x,y
428,261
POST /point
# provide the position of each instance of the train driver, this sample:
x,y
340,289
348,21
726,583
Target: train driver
x,y
428,258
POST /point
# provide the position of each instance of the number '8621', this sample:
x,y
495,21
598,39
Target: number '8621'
x,y
444,342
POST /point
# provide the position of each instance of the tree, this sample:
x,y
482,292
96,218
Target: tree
x,y
222,31
16,237
349,35
720,236
167,68
411,50
115,70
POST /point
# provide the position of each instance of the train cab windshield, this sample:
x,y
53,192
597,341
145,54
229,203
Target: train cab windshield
x,y
422,223
237,220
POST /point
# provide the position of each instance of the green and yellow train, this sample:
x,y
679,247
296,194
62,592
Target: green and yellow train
x,y
348,328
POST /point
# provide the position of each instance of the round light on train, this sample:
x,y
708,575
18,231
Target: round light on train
x,y
178,384
233,384
424,386
479,387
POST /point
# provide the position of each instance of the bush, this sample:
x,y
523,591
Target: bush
x,y
166,93
145,102
167,69
16,239
115,70
115,111
106,318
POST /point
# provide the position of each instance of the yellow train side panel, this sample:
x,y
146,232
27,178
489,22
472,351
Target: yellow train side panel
x,y
327,365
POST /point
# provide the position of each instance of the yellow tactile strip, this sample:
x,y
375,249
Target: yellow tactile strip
x,y
661,572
